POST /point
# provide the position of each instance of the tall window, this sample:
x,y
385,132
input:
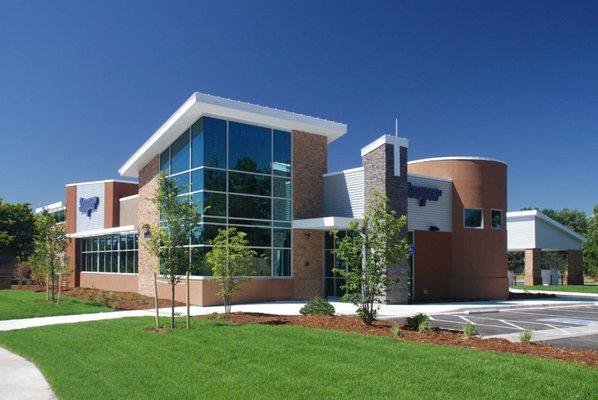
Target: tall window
x,y
333,282
242,174
496,218
112,253
473,218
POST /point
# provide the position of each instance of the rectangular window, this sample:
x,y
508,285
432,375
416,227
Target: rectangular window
x,y
248,207
281,262
208,143
240,182
496,217
249,148
282,187
204,233
281,238
182,182
208,179
198,265
179,154
281,164
214,202
473,218
262,262
282,210
260,237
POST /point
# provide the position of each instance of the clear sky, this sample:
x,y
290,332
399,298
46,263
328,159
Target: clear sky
x,y
83,84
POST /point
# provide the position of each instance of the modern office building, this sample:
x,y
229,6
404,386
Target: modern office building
x,y
264,171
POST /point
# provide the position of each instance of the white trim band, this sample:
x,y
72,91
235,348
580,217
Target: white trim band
x,y
132,229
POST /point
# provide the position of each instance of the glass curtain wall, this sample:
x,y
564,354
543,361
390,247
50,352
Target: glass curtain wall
x,y
333,282
241,175
112,253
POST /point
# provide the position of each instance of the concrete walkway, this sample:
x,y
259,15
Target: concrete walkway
x,y
385,311
21,380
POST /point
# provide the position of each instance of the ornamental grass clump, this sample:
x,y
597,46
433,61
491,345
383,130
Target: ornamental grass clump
x,y
469,330
526,336
416,320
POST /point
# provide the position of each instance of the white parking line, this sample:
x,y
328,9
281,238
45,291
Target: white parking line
x,y
531,313
508,323
477,324
465,319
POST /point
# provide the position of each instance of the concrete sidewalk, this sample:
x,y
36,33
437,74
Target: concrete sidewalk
x,y
558,293
385,311
21,380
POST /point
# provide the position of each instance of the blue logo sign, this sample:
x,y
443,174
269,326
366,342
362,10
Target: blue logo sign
x,y
87,206
423,193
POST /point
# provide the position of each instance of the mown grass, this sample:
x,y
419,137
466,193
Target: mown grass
x,y
563,288
17,304
118,359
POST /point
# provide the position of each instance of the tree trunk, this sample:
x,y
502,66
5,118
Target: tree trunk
x,y
187,298
172,306
59,286
47,287
156,300
53,276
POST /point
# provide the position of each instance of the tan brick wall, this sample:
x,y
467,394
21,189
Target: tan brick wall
x,y
308,262
148,214
533,259
574,268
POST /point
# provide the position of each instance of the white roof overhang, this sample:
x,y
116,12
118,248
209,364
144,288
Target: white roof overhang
x,y
324,223
200,104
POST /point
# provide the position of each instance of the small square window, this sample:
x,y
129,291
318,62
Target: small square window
x,y
496,218
473,218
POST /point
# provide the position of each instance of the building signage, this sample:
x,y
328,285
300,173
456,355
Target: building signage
x,y
89,205
423,193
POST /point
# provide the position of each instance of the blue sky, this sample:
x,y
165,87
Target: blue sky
x,y
84,84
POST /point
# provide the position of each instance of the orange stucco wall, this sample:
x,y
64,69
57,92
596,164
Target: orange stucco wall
x,y
479,256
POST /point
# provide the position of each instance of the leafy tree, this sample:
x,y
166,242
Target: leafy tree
x,y
232,263
516,260
370,246
49,247
179,217
17,228
590,249
573,219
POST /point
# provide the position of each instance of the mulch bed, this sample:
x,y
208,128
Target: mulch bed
x,y
114,300
442,337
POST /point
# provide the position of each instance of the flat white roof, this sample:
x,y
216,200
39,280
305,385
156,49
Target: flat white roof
x,y
324,223
51,207
104,181
200,104
457,158
108,231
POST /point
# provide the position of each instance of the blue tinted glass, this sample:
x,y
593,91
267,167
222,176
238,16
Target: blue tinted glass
x,y
282,187
179,154
249,148
165,161
208,179
282,153
261,237
182,182
239,182
282,210
281,263
248,207
215,203
208,143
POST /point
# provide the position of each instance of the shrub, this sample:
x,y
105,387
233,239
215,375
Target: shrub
x,y
469,330
317,306
526,336
415,321
425,326
397,330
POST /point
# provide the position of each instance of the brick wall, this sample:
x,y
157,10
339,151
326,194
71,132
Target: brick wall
x,y
148,214
309,164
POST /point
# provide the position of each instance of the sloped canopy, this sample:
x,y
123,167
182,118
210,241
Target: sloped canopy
x,y
534,230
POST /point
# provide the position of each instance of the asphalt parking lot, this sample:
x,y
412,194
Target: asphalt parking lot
x,y
562,326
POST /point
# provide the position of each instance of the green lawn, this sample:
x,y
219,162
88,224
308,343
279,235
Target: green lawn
x,y
564,288
16,304
117,359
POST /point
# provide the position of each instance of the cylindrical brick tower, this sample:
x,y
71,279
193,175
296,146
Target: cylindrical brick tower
x,y
479,254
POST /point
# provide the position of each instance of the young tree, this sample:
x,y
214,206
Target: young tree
x,y
590,249
370,246
49,247
231,261
179,217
